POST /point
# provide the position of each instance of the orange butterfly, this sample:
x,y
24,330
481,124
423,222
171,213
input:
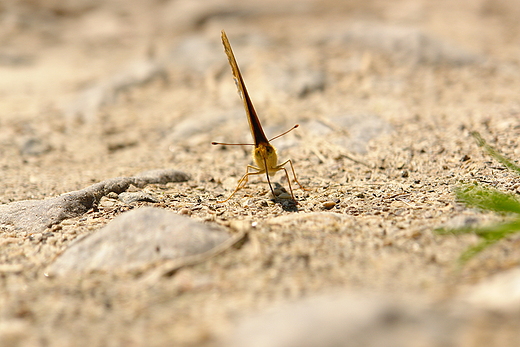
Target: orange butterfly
x,y
264,154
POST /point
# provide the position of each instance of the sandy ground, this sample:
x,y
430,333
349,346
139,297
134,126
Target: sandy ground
x,y
385,93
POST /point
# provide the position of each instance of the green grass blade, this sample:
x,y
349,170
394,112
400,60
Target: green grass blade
x,y
489,234
474,250
457,231
489,199
492,152
498,231
475,195
495,231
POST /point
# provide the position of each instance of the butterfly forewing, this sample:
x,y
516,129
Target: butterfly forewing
x,y
254,123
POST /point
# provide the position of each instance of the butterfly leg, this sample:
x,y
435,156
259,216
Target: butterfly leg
x,y
243,181
289,181
289,161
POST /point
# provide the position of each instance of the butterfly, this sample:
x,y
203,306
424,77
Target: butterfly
x,y
264,154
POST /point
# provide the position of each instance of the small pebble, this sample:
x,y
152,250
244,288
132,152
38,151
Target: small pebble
x,y
278,191
284,195
37,237
129,198
328,205
112,195
107,203
185,211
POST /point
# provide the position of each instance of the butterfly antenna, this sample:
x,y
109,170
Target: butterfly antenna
x,y
232,144
282,134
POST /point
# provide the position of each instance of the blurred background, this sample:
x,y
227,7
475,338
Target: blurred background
x,y
109,82
91,90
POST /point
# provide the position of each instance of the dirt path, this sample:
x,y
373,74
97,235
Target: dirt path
x,y
385,94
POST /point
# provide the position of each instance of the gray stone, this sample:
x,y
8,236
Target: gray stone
x,y
296,76
34,146
408,44
500,292
354,319
129,197
352,132
361,129
36,216
139,239
90,100
196,53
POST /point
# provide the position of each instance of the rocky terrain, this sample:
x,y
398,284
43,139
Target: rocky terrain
x,y
110,229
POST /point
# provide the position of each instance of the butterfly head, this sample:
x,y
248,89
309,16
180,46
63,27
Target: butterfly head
x,y
265,157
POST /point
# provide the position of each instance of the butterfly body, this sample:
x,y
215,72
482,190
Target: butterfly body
x,y
266,158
